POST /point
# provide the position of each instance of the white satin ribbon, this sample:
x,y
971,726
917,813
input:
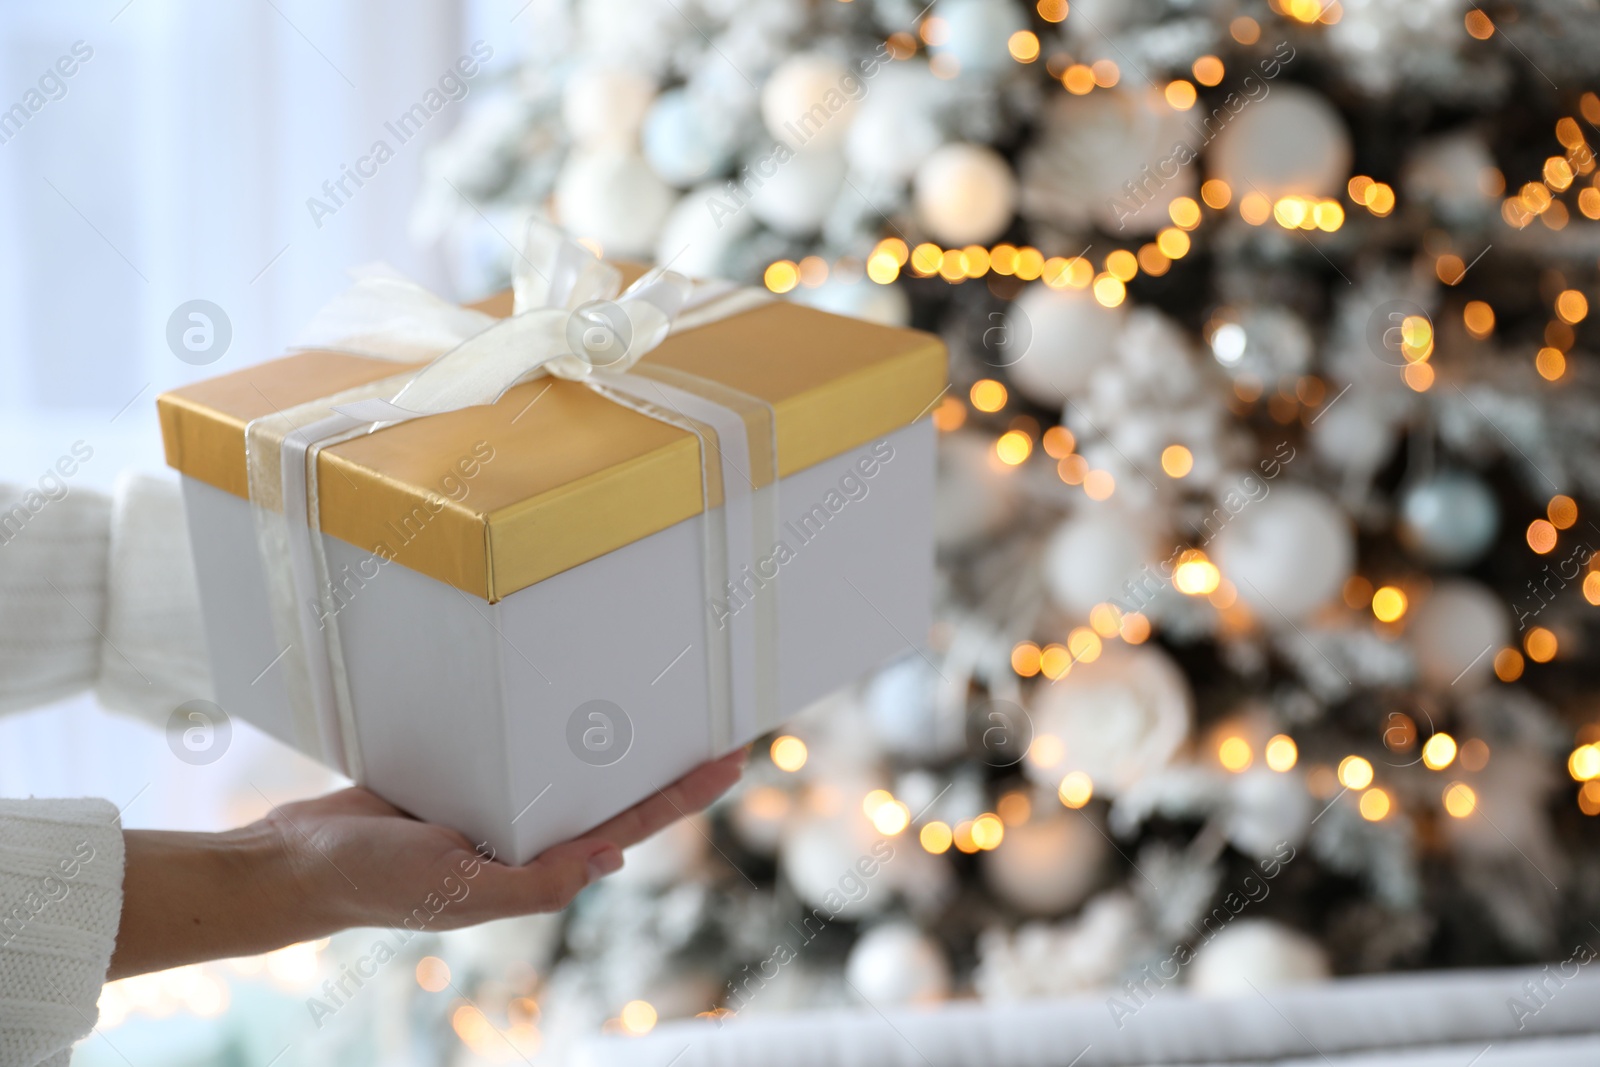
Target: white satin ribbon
x,y
571,320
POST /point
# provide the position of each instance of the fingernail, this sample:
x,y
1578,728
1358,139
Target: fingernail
x,y
607,861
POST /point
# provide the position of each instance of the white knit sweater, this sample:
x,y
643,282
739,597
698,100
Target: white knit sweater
x,y
99,593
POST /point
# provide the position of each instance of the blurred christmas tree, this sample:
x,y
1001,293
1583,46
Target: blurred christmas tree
x,y
1267,468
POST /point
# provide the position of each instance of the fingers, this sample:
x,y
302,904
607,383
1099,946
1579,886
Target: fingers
x,y
689,794
549,882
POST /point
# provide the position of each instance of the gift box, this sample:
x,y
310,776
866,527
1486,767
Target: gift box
x,y
526,615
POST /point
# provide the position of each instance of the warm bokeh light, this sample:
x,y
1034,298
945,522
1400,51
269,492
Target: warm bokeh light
x,y
1106,73
1282,753
1105,620
1255,208
1551,363
1508,665
1176,461
1173,242
1109,290
1584,763
949,415
1459,800
988,395
1184,212
936,837
891,818
1023,46
961,837
1355,772
988,831
1013,447
1025,659
1195,575
1572,306
1055,661
638,1017
1099,485
1563,511
1208,70
1047,751
1439,752
1245,30
1234,754
782,276
1479,24
1135,628
1014,808
1374,805
1389,604
433,974
1540,644
789,753
1478,318
1180,94
1078,79
1059,442
1216,193
1474,755
1084,645
1541,536
1075,790
1052,10
1589,798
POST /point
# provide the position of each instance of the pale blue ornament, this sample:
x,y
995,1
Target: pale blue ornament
x,y
1450,519
680,141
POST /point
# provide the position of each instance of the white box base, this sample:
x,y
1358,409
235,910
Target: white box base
x,y
463,707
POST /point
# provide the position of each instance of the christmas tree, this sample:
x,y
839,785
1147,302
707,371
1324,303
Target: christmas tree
x,y
1267,471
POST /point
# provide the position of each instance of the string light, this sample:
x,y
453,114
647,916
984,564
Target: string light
x,y
1216,193
1541,645
1023,46
1180,94
1195,575
1355,772
1439,752
1508,665
1584,763
1478,317
988,831
1563,512
1234,754
988,395
1177,461
781,276
1389,604
1025,659
1459,800
1541,536
789,753
638,1017
1013,447
1282,753
1076,789
935,837
1374,805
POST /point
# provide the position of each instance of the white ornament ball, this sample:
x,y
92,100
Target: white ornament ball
x,y
1047,866
614,198
602,106
681,142
1251,955
965,194
1092,555
973,496
807,101
1119,718
702,228
819,857
897,964
890,137
1289,552
1291,143
794,193
1454,634
1450,519
1354,435
1054,340
978,34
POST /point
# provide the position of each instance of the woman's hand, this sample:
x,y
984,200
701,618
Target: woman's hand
x,y
350,859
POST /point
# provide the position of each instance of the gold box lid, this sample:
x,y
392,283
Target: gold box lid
x,y
494,498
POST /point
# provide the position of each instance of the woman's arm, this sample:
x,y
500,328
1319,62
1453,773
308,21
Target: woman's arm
x,y
351,859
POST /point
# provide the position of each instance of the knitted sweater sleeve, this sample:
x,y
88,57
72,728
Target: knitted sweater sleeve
x,y
96,592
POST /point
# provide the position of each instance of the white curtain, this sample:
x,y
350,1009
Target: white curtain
x,y
175,163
